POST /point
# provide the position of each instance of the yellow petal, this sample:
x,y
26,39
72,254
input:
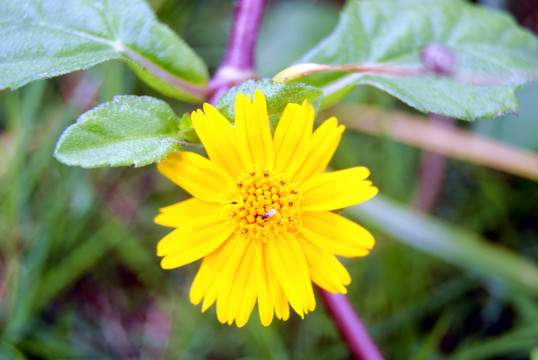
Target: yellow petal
x,y
222,258
291,270
204,278
196,174
210,297
336,190
198,227
281,305
227,278
253,131
179,213
193,241
324,143
207,278
244,290
265,298
293,136
336,234
325,269
219,139
225,257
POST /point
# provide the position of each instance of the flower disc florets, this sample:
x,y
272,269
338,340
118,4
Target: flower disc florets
x,y
265,205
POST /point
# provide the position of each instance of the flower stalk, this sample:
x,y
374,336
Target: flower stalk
x,y
354,333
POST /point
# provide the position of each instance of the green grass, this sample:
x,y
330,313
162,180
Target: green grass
x,y
80,278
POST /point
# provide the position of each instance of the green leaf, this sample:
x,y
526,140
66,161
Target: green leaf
x,y
278,95
534,353
519,341
494,56
187,130
46,38
78,261
129,130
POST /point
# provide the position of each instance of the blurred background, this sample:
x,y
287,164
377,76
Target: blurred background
x,y
453,274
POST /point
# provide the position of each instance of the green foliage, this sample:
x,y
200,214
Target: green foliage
x,y
138,131
277,95
534,354
46,38
78,273
450,243
493,55
187,129
515,342
129,130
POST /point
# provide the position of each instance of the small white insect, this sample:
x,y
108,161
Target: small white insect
x,y
269,214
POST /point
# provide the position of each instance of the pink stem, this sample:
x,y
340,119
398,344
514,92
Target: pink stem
x,y
431,174
360,344
238,64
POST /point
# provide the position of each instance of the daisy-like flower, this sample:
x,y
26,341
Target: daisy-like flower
x,y
260,216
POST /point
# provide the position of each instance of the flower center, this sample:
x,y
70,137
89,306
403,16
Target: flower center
x,y
266,203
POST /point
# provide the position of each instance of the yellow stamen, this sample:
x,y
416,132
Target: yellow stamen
x,y
263,205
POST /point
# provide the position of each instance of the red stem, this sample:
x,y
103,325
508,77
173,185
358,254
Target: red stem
x,y
360,344
431,174
238,66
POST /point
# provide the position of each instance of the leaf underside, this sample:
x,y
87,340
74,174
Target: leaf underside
x,y
494,56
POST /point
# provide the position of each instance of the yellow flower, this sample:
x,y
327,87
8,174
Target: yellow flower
x,y
260,216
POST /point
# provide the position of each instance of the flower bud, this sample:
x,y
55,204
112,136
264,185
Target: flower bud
x,y
438,59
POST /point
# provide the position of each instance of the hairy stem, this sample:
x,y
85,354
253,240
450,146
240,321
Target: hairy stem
x,y
238,63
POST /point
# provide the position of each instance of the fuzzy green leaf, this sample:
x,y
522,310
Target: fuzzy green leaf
x,y
129,130
187,130
278,95
494,56
46,38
